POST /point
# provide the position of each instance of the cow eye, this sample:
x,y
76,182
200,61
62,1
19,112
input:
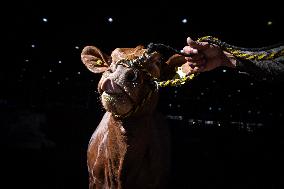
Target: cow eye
x,y
131,75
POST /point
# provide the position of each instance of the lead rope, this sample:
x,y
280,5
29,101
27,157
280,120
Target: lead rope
x,y
255,54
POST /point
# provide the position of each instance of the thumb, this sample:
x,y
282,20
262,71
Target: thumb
x,y
197,45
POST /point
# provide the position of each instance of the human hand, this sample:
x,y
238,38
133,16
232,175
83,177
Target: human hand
x,y
206,57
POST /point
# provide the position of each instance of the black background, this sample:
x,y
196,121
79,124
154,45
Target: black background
x,y
230,134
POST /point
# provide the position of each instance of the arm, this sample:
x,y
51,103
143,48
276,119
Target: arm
x,y
208,56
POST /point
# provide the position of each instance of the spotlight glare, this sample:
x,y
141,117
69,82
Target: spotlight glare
x,y
184,21
110,19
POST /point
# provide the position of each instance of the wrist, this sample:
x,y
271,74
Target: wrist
x,y
229,60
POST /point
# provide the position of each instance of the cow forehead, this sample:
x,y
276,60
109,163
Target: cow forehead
x,y
127,53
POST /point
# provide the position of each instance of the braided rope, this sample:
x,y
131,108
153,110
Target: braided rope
x,y
175,82
258,54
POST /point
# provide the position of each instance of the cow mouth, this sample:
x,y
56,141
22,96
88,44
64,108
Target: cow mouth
x,y
112,89
112,98
115,98
118,104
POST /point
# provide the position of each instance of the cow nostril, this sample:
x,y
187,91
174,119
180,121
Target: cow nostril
x,y
131,75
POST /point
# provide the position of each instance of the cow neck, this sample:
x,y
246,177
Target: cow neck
x,y
126,142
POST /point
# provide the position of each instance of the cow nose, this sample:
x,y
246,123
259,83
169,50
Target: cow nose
x,y
109,86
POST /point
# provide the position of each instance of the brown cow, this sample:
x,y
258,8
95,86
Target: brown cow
x,y
131,146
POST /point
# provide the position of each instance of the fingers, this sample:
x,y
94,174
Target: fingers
x,y
194,68
197,45
190,50
197,62
196,58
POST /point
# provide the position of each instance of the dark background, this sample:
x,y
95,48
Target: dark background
x,y
227,127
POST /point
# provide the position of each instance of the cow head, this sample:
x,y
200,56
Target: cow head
x,y
127,82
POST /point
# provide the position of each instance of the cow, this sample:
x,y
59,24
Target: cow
x,y
131,146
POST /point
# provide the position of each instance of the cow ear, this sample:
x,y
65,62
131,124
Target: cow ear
x,y
169,69
94,59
